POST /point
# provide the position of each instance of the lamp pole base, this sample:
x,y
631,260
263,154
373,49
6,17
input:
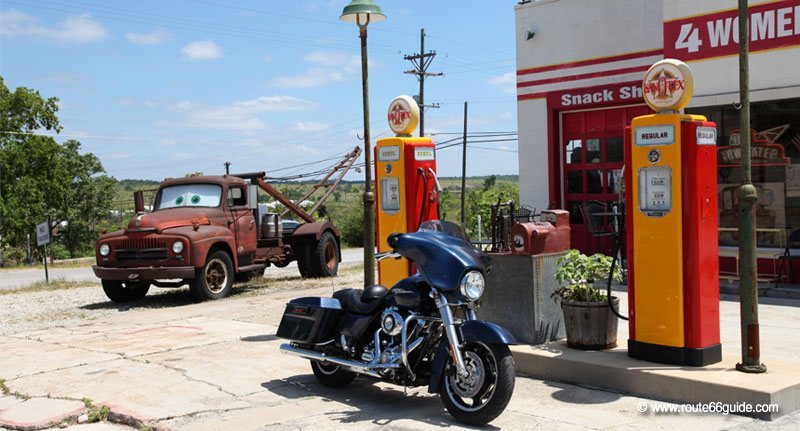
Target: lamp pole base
x,y
751,369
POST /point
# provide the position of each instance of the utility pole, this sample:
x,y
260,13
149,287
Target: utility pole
x,y
748,195
227,168
464,173
421,62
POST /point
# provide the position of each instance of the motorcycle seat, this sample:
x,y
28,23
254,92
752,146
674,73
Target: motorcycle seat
x,y
353,300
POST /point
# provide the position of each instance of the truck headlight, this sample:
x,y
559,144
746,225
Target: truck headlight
x,y
104,250
177,247
472,285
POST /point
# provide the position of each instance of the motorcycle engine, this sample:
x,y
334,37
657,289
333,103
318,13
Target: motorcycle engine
x,y
385,350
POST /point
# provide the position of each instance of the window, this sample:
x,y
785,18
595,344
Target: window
x,y
189,195
236,197
775,150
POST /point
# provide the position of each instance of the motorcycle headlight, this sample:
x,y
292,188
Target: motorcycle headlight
x,y
472,285
104,250
177,247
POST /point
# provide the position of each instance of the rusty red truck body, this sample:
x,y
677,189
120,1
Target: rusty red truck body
x,y
207,231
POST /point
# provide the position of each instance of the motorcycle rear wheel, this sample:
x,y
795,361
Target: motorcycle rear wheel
x,y
482,396
332,375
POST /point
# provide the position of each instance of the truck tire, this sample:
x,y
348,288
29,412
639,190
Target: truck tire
x,y
304,260
325,256
125,291
215,279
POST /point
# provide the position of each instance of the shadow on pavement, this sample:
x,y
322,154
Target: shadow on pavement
x,y
578,395
161,299
374,404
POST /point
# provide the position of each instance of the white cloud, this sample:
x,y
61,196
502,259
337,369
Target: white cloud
x,y
242,116
202,50
310,126
507,82
152,38
328,66
75,29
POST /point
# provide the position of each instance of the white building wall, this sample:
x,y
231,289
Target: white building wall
x,y
568,31
534,186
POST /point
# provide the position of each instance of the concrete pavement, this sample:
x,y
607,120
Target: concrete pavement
x,y
216,365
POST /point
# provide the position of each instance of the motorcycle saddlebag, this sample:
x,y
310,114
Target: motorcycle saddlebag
x,y
310,320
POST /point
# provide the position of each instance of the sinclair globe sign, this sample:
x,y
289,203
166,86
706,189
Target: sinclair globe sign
x,y
668,85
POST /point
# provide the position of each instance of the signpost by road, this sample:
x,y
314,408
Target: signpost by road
x,y
42,239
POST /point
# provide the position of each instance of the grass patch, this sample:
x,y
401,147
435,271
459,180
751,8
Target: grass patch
x,y
55,284
82,262
95,414
3,387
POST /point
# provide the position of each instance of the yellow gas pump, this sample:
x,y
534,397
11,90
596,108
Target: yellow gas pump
x,y
406,184
671,224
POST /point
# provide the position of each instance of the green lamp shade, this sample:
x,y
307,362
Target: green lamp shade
x,y
358,11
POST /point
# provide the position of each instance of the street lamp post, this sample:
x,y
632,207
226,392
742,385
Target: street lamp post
x,y
361,13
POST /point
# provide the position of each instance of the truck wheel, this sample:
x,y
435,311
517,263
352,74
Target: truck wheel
x,y
325,256
215,279
304,260
125,291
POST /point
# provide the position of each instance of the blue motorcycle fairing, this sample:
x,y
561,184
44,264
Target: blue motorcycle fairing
x,y
440,258
471,331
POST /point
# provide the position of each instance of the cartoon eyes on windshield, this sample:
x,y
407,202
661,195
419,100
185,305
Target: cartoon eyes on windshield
x,y
195,199
179,200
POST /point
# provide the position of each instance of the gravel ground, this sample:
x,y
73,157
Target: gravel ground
x,y
34,310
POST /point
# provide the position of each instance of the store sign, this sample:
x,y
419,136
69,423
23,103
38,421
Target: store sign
x,y
654,135
403,115
424,153
668,85
706,136
761,152
594,96
772,25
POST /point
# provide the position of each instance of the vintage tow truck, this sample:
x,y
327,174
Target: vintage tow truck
x,y
207,231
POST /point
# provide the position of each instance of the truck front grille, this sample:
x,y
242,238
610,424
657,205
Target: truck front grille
x,y
141,249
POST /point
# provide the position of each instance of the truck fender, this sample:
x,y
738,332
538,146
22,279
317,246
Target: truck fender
x,y
471,331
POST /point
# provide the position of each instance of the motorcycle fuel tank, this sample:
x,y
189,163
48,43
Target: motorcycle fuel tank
x,y
408,292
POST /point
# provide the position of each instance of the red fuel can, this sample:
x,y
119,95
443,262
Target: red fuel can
x,y
550,234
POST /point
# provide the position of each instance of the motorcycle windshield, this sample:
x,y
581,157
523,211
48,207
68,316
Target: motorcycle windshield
x,y
441,253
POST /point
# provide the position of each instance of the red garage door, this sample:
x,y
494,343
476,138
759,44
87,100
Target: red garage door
x,y
592,155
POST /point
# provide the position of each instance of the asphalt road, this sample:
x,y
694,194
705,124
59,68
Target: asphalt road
x,y
19,278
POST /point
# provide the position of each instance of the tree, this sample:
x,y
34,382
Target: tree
x,y
41,179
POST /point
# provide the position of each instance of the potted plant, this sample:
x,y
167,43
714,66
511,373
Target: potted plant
x,y
589,322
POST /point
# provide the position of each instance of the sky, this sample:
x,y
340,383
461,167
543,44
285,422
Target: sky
x,y
160,88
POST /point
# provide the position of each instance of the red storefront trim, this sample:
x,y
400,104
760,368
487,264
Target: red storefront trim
x,y
598,60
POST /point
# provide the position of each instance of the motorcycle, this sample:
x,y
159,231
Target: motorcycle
x,y
422,331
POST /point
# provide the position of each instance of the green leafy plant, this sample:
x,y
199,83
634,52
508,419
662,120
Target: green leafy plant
x,y
576,275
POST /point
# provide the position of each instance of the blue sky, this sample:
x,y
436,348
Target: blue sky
x,y
162,88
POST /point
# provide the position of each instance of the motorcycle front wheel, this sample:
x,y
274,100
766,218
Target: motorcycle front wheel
x,y
483,394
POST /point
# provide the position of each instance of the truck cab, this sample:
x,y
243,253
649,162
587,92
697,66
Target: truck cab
x,y
207,231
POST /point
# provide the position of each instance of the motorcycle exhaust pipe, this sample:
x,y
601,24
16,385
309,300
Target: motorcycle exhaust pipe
x,y
358,367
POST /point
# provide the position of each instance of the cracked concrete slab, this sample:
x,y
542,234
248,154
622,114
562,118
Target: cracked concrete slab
x,y
147,391
25,357
40,413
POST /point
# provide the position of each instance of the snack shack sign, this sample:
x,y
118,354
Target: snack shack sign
x,y
773,25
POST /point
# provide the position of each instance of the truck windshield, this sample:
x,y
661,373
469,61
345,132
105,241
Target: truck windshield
x,y
189,195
